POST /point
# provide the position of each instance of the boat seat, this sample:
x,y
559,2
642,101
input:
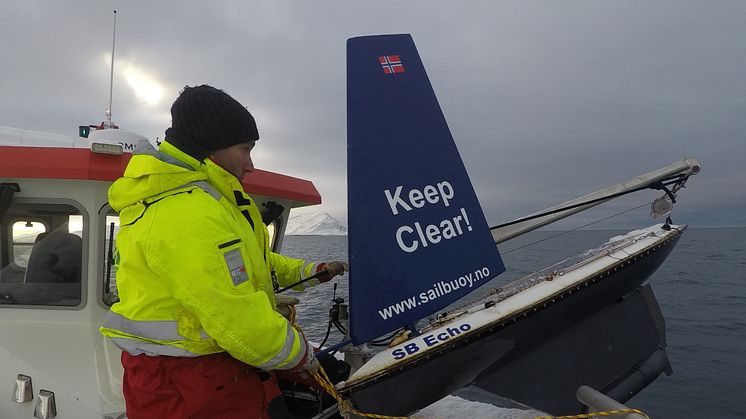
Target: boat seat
x,y
55,258
12,274
53,275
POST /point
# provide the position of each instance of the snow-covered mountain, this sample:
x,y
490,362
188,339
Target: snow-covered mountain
x,y
320,223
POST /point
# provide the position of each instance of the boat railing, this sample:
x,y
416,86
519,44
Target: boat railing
x,y
496,295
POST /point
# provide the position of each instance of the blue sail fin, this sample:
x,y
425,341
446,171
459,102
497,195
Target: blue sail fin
x,y
418,239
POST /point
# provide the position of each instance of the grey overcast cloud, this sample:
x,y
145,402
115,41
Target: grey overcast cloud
x,y
546,100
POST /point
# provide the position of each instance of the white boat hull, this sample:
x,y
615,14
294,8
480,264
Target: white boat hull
x,y
472,344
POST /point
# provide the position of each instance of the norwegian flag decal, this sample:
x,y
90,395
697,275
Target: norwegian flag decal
x,y
391,64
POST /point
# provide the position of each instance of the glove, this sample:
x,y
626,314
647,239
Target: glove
x,y
332,269
337,268
285,305
309,365
312,365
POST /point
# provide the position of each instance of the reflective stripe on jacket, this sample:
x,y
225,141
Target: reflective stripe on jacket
x,y
194,274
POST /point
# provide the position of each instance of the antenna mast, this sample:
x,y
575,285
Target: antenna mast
x,y
111,76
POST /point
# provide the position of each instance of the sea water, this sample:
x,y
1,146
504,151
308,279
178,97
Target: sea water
x,y
701,289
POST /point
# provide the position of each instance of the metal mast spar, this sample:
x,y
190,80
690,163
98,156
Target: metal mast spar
x,y
111,75
657,179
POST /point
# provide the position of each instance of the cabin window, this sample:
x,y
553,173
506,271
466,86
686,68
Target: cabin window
x,y
272,218
275,241
25,234
111,258
41,255
271,229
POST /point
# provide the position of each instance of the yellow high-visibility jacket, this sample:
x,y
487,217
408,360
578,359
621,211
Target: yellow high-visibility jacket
x,y
194,275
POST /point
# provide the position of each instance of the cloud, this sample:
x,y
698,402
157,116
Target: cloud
x,y
546,101
146,87
145,84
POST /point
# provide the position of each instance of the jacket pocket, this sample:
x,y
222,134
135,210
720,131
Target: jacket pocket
x,y
235,261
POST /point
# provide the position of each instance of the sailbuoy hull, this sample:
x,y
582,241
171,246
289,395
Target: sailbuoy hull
x,y
604,350
520,333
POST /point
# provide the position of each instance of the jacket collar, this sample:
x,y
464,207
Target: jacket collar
x,y
219,178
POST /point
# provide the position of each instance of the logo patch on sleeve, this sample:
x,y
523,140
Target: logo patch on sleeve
x,y
236,266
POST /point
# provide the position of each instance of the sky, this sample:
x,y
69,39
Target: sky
x,y
546,100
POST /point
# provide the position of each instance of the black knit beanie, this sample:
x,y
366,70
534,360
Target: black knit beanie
x,y
205,119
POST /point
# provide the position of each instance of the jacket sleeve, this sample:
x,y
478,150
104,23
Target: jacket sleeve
x,y
289,271
211,271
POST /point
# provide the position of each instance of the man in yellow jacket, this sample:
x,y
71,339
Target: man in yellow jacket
x,y
197,320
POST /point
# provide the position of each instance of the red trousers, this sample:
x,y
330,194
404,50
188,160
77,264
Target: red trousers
x,y
212,386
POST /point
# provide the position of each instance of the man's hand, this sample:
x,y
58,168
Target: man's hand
x,y
333,269
337,268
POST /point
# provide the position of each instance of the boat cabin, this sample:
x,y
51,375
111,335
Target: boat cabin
x,y
57,269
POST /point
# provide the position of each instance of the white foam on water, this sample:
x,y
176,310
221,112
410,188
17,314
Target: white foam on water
x,y
452,407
